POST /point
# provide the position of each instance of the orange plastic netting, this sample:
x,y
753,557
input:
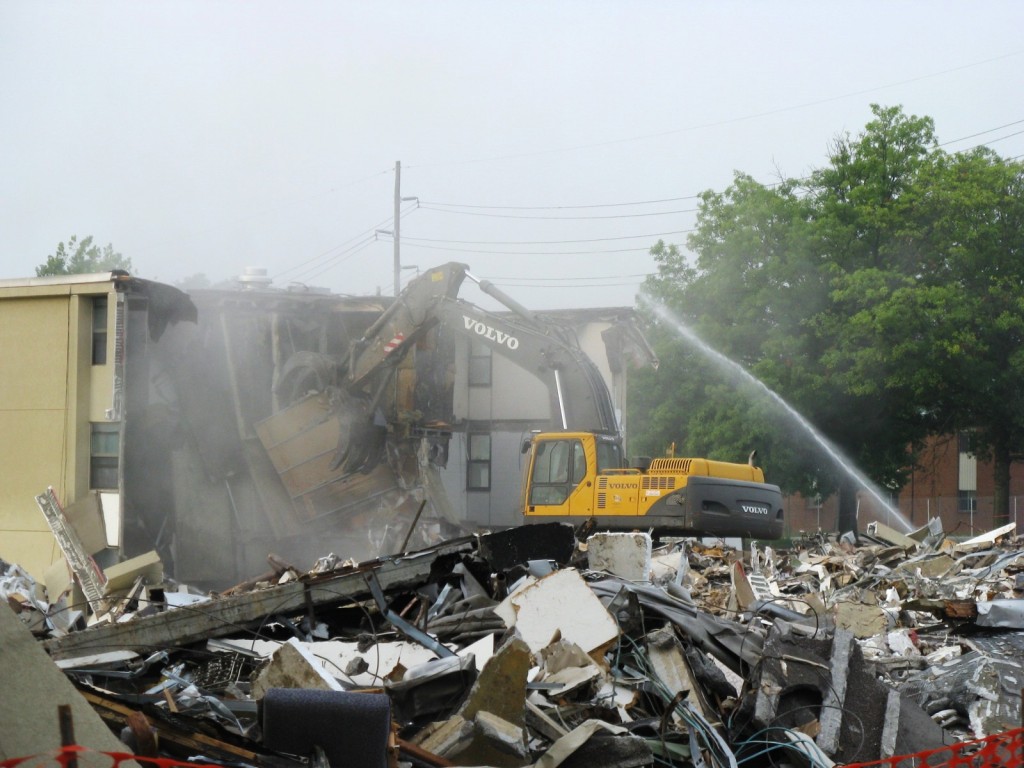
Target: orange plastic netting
x,y
1001,750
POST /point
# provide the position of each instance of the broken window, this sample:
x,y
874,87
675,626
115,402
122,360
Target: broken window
x,y
99,330
478,472
479,364
103,455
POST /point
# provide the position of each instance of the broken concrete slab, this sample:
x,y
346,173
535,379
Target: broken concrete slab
x,y
501,687
225,616
862,620
293,666
499,695
33,687
627,555
802,681
853,586
562,606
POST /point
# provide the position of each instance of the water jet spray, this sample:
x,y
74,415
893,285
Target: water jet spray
x,y
731,366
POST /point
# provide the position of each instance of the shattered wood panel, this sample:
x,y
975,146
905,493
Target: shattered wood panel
x,y
227,615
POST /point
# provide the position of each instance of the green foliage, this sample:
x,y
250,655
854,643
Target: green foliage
x,y
82,257
883,298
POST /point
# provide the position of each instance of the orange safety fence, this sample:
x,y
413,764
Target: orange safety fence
x,y
1001,750
67,757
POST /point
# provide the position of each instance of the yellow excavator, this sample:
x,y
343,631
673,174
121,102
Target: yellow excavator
x,y
578,476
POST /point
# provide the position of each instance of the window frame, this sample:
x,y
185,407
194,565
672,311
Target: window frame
x,y
100,336
104,459
475,465
480,362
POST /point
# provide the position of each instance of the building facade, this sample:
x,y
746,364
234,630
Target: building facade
x,y
948,482
76,358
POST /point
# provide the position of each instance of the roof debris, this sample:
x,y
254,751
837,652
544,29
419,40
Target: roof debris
x,y
529,648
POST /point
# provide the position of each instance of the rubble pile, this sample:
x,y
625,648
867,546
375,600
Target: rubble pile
x,y
528,647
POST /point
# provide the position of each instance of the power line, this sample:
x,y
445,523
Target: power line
x,y
562,207
532,280
587,252
729,121
367,232
567,285
1007,136
436,205
982,133
545,242
363,240
559,218
318,269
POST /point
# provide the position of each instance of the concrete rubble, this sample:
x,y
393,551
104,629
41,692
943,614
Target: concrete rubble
x,y
527,647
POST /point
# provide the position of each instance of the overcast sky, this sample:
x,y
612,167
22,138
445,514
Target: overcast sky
x,y
205,137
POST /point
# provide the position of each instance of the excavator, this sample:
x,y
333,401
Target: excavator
x,y
575,472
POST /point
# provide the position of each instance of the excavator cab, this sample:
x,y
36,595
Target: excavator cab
x,y
562,468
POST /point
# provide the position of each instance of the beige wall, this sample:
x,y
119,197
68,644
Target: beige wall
x,y
46,387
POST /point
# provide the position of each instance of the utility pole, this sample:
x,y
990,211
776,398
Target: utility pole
x,y
398,222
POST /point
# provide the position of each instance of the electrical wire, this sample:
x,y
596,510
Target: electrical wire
x,y
562,280
562,207
365,238
980,133
729,121
559,218
545,242
359,242
525,253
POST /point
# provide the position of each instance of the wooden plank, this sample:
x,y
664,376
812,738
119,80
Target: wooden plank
x,y
233,615
195,742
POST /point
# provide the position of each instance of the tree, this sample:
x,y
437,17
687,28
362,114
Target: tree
x,y
82,256
882,298
949,332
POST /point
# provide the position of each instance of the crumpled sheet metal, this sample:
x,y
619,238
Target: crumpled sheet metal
x,y
1004,614
735,645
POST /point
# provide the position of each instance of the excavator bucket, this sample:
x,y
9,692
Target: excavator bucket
x,y
362,434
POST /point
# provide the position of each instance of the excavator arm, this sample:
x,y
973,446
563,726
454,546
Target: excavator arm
x,y
578,396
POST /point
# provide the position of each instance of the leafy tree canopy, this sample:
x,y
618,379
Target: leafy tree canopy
x,y
882,297
81,257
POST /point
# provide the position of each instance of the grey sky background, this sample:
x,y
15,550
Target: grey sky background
x,y
204,137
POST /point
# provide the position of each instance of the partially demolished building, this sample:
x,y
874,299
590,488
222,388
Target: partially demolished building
x,y
179,424
207,598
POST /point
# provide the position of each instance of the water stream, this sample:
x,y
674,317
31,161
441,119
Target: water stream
x,y
731,367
